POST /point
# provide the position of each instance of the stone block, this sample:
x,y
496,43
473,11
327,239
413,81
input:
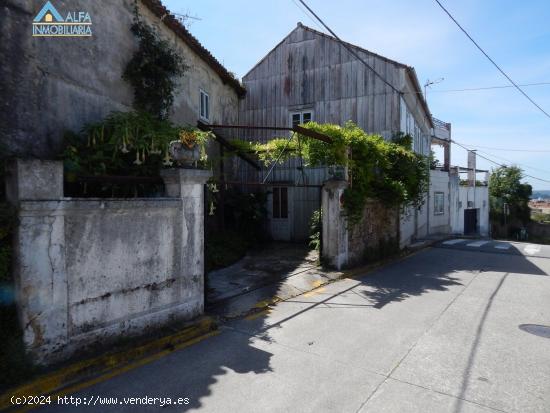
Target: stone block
x,y
33,180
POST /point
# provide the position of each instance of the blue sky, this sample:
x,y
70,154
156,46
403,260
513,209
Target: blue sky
x,y
418,33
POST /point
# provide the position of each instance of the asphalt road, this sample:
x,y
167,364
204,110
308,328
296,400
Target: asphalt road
x,y
436,332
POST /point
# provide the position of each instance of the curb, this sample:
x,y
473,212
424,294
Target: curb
x,y
79,375
70,378
262,307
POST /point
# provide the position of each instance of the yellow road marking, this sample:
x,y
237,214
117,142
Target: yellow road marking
x,y
104,363
116,372
317,283
259,314
315,292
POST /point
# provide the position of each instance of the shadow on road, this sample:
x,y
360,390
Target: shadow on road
x,y
202,371
397,282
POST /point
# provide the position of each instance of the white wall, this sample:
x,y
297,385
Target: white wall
x,y
407,227
439,223
88,270
469,198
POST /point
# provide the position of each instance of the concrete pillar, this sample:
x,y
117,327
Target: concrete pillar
x,y
39,249
188,185
335,231
33,180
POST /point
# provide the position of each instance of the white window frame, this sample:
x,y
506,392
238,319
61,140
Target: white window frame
x,y
301,113
204,105
439,208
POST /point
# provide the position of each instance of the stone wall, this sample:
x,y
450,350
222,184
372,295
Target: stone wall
x,y
376,236
49,85
91,270
344,245
538,229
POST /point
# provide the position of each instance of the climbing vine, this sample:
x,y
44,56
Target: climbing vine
x,y
153,70
386,170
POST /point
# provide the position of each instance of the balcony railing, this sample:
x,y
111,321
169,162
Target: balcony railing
x,y
441,130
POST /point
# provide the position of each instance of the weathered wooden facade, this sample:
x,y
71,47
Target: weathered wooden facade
x,y
311,76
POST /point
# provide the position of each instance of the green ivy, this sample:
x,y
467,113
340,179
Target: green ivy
x,y
153,70
386,170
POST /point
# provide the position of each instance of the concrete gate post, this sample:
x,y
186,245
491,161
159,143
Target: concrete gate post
x,y
39,245
335,231
188,185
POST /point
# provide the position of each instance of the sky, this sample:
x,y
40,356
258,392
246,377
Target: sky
x,y
418,33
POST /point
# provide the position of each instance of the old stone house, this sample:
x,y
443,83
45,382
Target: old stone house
x,y
51,84
310,76
89,270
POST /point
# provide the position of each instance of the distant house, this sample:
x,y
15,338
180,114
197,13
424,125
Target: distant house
x,y
311,76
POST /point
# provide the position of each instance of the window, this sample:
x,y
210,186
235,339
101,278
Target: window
x,y
403,116
439,203
204,106
280,202
299,118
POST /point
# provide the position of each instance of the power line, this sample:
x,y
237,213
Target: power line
x,y
499,164
453,90
348,47
512,162
306,14
509,150
474,89
492,61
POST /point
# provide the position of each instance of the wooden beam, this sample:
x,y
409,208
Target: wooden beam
x,y
312,134
205,127
298,129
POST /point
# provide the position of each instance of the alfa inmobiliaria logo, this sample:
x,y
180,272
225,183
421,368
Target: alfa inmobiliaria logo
x,y
50,23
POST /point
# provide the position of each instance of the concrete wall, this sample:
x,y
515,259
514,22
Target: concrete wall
x,y
456,220
407,227
90,270
472,198
49,85
413,224
439,223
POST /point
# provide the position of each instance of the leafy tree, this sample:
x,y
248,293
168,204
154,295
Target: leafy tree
x,y
505,187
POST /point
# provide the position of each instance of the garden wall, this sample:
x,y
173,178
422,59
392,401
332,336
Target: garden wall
x,y
91,270
376,236
344,245
538,230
